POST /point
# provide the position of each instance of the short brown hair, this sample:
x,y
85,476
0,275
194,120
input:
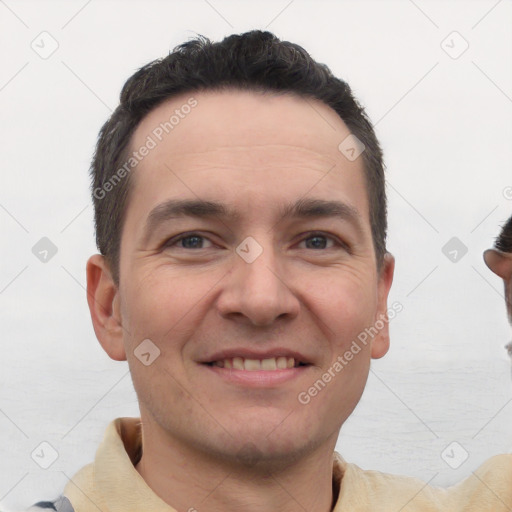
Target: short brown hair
x,y
254,60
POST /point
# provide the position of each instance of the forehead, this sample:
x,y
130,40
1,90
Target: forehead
x,y
242,139
246,119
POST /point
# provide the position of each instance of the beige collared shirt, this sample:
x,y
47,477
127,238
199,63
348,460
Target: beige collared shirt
x,y
112,484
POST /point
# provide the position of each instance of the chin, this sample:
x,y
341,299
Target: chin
x,y
265,456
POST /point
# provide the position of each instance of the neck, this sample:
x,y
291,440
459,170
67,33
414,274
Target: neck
x,y
191,481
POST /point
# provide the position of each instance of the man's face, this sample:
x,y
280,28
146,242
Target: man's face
x,y
198,287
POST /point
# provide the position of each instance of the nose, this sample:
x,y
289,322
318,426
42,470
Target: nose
x,y
258,291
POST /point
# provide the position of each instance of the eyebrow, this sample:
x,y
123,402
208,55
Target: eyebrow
x,y
198,208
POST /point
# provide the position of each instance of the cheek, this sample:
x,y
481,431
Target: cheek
x,y
161,305
346,306
149,307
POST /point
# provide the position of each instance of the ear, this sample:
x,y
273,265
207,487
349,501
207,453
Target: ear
x,y
380,343
499,262
103,300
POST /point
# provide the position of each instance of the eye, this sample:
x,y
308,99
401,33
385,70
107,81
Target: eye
x,y
320,241
187,241
317,241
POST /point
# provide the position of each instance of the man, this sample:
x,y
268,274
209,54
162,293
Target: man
x,y
499,260
241,219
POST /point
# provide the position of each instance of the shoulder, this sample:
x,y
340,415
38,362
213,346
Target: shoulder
x,y
487,489
501,462
491,483
385,492
82,479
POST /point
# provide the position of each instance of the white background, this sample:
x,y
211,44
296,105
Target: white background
x,y
445,126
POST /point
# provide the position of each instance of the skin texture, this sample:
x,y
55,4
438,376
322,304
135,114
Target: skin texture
x,y
501,264
208,443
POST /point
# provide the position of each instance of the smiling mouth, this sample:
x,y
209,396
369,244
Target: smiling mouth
x,y
270,364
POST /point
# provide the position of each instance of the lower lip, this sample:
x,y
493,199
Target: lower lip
x,y
257,378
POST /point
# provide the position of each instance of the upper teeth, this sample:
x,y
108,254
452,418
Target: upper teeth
x,y
272,363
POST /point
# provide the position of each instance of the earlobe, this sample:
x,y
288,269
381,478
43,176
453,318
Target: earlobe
x,y
103,300
380,344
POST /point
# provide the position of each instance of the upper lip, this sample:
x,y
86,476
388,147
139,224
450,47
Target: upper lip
x,y
254,354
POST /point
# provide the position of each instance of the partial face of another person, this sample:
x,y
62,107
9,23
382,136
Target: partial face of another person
x,y
501,264
279,266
